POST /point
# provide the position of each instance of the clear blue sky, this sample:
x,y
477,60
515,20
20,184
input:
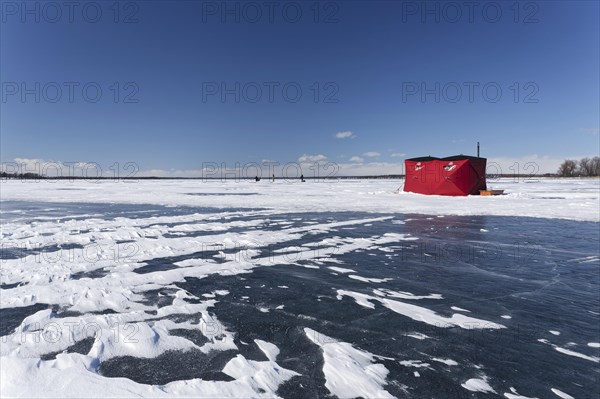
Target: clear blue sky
x,y
372,54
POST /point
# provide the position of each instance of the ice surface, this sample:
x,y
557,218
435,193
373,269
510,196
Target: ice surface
x,y
105,274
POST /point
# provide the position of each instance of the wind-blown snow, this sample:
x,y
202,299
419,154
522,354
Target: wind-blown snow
x,y
369,279
513,394
478,385
350,372
561,394
459,309
570,352
447,362
420,313
69,376
341,269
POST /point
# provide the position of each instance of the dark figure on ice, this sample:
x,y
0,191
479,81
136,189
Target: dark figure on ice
x,y
257,178
302,178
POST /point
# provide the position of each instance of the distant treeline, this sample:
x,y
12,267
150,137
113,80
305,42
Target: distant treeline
x,y
5,175
585,167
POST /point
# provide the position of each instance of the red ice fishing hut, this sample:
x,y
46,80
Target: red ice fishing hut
x,y
456,175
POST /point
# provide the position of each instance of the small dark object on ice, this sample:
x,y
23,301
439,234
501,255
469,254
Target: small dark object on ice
x,y
491,192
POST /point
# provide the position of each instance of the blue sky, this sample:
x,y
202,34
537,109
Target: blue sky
x,y
176,64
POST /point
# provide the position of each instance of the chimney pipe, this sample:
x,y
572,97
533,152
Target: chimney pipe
x,y
478,149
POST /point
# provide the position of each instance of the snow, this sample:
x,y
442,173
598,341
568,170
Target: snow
x,y
420,313
350,372
68,376
447,362
561,394
361,299
577,354
515,395
134,338
417,335
414,363
459,309
575,199
478,385
369,280
569,352
266,376
132,327
51,284
404,295
341,269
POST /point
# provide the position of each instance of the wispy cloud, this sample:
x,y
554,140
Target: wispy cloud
x,y
398,154
371,154
312,158
347,134
356,159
